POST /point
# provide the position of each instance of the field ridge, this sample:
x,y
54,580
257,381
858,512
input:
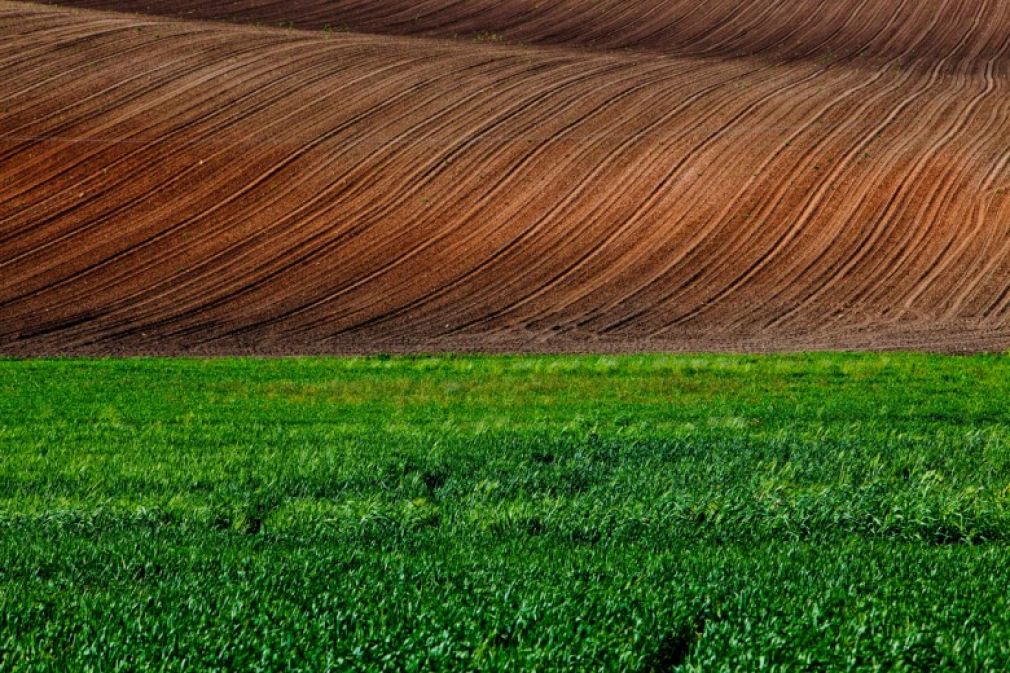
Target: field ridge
x,y
764,176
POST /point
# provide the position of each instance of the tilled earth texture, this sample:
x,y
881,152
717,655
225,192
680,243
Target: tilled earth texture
x,y
188,176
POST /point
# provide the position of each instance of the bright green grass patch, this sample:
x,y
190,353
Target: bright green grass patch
x,y
698,513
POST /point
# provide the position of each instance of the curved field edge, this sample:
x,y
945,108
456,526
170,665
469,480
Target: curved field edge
x,y
437,512
187,187
776,29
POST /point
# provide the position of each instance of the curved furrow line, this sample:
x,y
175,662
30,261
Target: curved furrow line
x,y
36,83
902,240
717,224
729,212
894,202
125,206
931,210
636,18
669,26
956,246
261,178
388,103
710,229
437,164
646,165
233,255
694,98
440,17
775,24
26,65
616,268
695,22
993,312
657,21
195,61
367,75
796,226
48,37
967,283
87,38
737,26
996,309
809,210
136,137
532,230
902,194
488,20
312,248
41,230
659,174
22,172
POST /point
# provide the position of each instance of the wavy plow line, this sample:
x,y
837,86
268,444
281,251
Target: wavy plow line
x,y
101,138
890,224
776,200
559,278
231,254
682,27
966,284
41,132
94,145
436,237
247,188
934,209
43,240
682,105
221,109
305,107
630,261
798,225
647,165
438,166
393,101
571,191
717,224
900,200
868,242
527,233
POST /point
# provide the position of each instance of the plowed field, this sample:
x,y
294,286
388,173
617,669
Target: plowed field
x,y
385,175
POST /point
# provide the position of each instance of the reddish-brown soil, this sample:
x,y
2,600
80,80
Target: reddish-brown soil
x,y
579,175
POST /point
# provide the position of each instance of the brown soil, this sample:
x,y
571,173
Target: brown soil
x,y
582,175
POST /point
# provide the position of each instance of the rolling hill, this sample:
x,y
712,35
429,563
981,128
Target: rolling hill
x,y
310,177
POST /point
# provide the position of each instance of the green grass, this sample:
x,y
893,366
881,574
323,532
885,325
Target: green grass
x,y
697,513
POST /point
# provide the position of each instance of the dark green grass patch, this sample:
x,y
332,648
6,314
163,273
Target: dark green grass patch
x,y
653,513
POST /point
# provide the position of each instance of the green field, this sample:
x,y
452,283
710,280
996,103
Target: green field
x,y
697,513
